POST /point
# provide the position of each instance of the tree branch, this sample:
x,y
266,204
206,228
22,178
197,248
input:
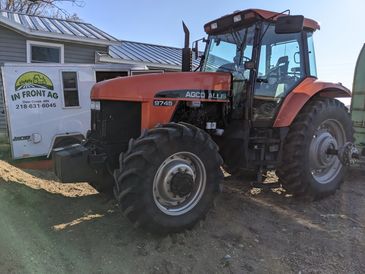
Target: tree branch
x,y
51,8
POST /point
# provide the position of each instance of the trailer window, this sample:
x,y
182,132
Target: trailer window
x,y
70,89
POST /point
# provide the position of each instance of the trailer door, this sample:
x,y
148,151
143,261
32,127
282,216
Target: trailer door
x,y
43,102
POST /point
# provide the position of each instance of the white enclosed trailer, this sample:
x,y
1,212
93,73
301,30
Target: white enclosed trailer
x,y
48,105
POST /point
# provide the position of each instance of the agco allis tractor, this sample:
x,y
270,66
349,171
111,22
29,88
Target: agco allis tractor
x,y
253,105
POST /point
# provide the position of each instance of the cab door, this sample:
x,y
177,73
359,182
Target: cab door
x,y
280,69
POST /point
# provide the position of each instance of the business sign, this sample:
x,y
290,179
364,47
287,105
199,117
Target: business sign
x,y
32,90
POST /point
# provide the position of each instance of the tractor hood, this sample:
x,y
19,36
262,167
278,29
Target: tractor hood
x,y
142,88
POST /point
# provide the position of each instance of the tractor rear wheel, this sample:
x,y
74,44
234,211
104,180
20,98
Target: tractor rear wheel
x,y
168,178
307,169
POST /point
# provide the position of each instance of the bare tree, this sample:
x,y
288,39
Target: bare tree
x,y
53,8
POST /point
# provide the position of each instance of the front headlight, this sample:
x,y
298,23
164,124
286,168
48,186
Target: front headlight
x,y
95,105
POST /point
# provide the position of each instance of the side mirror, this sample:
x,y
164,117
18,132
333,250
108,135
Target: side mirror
x,y
196,52
289,24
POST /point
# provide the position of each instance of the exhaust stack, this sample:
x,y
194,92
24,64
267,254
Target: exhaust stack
x,y
186,64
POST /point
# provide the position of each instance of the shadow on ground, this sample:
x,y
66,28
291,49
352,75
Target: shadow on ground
x,y
45,231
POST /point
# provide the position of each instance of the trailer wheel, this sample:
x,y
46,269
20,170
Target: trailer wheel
x,y
168,178
307,170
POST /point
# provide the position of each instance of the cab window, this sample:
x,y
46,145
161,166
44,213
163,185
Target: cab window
x,y
281,68
281,64
312,55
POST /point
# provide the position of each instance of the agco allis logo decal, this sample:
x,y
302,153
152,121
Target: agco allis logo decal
x,y
33,85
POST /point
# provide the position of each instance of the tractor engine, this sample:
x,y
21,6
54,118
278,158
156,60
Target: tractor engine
x,y
209,116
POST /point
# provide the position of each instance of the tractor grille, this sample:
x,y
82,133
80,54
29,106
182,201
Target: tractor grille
x,y
116,123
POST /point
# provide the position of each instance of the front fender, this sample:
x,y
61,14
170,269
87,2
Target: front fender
x,y
310,87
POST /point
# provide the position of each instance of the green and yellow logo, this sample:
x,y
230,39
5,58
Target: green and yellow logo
x,y
33,80
34,85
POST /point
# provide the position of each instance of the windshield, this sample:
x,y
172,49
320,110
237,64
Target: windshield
x,y
228,52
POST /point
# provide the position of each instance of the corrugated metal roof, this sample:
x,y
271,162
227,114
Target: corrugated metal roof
x,y
56,28
148,54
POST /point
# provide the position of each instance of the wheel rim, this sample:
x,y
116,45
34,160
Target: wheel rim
x,y
179,183
329,135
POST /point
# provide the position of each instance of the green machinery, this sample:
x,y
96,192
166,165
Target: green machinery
x,y
358,102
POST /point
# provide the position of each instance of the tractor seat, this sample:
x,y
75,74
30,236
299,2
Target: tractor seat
x,y
282,65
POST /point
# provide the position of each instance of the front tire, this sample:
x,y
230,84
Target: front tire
x,y
307,170
168,178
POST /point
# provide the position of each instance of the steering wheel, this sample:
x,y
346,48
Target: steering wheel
x,y
231,67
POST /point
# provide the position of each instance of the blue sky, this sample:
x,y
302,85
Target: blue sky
x,y
338,43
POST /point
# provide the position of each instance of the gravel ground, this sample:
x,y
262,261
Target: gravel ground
x,y
50,227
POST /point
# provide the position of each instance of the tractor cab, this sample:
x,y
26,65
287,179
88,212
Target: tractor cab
x,y
268,54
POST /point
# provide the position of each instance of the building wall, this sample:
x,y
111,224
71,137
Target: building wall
x,y
13,49
81,54
12,46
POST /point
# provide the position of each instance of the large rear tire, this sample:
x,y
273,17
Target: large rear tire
x,y
168,178
307,170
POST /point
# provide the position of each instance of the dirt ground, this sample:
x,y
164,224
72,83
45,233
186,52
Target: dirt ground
x,y
49,227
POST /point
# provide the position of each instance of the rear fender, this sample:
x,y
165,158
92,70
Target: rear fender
x,y
309,88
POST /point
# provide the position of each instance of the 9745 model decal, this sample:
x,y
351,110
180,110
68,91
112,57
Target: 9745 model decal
x,y
163,103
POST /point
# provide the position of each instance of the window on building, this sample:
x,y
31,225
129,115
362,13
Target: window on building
x,y
39,52
70,89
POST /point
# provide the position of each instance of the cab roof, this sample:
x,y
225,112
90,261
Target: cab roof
x,y
251,15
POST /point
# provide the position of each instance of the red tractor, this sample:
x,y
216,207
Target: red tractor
x,y
253,105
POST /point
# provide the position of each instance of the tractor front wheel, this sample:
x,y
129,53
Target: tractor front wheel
x,y
168,178
308,169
